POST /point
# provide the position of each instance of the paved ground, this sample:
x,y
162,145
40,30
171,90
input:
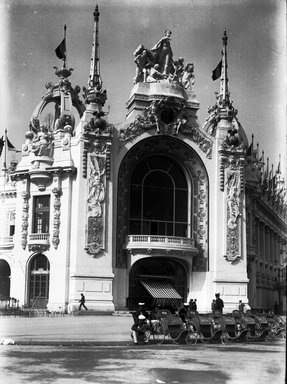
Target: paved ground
x,y
98,349
66,329
165,364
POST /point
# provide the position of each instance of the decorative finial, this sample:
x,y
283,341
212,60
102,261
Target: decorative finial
x,y
224,92
224,38
94,91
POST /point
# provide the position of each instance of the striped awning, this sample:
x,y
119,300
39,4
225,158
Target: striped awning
x,y
161,289
154,293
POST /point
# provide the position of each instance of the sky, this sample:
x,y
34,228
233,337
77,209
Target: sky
x,y
256,29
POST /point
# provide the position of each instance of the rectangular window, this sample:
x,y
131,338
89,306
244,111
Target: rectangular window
x,y
41,214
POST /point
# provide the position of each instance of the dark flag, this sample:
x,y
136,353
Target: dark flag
x,y
10,146
249,150
61,50
216,73
1,144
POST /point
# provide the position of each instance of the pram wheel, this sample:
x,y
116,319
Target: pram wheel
x,y
158,333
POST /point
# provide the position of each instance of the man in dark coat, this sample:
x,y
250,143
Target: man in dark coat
x,y
219,305
82,302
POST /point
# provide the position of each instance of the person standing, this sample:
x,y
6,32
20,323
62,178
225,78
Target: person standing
x,y
194,305
219,304
240,306
82,302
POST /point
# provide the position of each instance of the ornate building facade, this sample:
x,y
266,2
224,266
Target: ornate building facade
x,y
159,202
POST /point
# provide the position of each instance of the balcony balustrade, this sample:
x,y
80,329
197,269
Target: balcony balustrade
x,y
154,244
6,242
39,242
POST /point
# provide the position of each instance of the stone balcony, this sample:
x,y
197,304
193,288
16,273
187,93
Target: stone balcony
x,y
6,242
39,242
156,245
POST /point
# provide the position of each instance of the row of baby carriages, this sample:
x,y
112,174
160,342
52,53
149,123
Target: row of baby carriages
x,y
216,328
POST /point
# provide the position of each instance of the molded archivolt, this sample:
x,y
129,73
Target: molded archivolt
x,y
194,168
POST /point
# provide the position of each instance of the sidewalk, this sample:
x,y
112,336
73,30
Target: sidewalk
x,y
80,330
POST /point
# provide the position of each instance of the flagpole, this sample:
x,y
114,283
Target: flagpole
x,y
5,151
65,57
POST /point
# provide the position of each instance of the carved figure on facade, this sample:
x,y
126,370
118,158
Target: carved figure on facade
x,y
168,118
39,140
163,55
188,78
157,64
178,66
57,213
25,216
212,120
233,200
96,189
64,120
95,204
144,62
155,75
233,204
42,144
97,125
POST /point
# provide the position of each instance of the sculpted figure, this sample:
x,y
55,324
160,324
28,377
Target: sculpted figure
x,y
212,120
178,69
233,200
96,189
155,74
42,144
144,62
188,76
162,54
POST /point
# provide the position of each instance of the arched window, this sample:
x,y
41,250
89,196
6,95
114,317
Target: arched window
x,y
5,273
158,198
39,270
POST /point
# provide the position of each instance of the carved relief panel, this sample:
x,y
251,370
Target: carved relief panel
x,y
96,205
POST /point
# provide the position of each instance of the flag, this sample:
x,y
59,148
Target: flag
x,y
61,50
278,170
1,144
10,146
249,150
216,73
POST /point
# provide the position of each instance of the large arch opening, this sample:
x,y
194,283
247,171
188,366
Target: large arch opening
x,y
5,273
163,190
39,274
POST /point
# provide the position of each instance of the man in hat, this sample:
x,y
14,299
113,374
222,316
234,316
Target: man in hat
x,y
142,311
140,326
218,305
183,312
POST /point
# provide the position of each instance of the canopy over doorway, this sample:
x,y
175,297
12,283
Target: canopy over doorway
x,y
154,293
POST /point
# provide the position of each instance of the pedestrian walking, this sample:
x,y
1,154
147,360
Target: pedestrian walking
x,y
82,302
219,304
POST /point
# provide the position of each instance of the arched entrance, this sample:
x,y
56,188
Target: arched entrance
x,y
165,270
39,273
5,273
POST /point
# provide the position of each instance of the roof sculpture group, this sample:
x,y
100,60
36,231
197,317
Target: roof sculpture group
x,y
157,64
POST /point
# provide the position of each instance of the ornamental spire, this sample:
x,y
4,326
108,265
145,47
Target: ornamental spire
x,y
95,78
224,95
94,93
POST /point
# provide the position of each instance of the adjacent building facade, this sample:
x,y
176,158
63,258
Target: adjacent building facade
x,y
159,203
